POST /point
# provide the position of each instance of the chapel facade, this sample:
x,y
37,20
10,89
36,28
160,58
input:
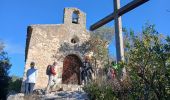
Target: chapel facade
x,y
62,43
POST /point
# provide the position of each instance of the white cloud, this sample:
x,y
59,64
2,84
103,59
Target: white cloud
x,y
14,48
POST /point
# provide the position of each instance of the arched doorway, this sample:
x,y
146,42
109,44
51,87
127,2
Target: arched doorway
x,y
71,70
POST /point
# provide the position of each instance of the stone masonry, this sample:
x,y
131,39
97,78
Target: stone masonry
x,y
54,42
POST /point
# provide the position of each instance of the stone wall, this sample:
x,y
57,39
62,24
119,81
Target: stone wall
x,y
48,43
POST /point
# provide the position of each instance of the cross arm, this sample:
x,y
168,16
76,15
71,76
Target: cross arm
x,y
121,11
130,6
103,21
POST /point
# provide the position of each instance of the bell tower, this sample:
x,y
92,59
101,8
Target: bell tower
x,y
74,16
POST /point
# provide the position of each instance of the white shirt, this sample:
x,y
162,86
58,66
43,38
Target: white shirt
x,y
32,74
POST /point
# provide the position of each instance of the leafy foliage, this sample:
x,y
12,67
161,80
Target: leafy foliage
x,y
4,70
15,84
147,61
99,42
100,90
105,33
147,56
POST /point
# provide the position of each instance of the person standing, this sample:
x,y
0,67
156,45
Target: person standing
x,y
111,74
83,74
31,74
88,70
51,76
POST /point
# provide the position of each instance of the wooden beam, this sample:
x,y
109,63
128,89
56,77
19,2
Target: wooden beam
x,y
121,11
130,6
103,21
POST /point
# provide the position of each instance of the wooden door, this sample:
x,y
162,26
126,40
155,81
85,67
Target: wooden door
x,y
71,70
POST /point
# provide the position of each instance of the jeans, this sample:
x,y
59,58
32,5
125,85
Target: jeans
x,y
29,88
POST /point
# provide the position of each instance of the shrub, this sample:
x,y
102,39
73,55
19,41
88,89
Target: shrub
x,y
15,84
100,89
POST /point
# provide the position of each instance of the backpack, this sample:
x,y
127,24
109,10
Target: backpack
x,y
48,70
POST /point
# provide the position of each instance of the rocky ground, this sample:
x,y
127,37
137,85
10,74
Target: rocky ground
x,y
59,95
67,95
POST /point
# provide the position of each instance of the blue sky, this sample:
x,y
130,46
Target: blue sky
x,y
16,15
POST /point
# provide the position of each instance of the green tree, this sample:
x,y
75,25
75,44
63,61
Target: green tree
x,y
4,70
99,41
148,64
105,33
15,84
147,60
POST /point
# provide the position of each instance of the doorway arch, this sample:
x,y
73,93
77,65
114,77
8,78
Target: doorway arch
x,y
71,70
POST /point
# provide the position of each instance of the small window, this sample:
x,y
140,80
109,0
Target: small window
x,y
75,17
74,40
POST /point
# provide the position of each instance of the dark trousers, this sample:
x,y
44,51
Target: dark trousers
x,y
29,88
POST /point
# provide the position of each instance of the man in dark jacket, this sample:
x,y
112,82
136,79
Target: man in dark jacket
x,y
87,70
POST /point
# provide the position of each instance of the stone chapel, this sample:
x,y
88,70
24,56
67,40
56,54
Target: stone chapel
x,y
47,43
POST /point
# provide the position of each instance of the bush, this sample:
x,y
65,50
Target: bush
x,y
15,84
100,89
148,64
4,71
148,67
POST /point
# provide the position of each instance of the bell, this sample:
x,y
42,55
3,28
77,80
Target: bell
x,y
75,20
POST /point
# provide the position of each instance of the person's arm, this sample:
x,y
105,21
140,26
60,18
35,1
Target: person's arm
x,y
27,73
